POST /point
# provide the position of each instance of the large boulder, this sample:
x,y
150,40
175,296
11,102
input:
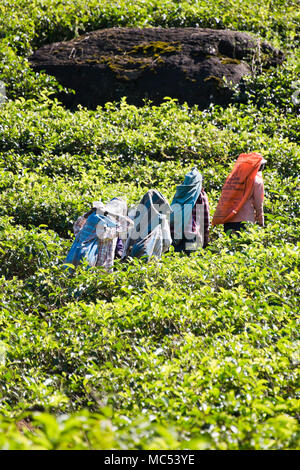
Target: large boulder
x,y
189,64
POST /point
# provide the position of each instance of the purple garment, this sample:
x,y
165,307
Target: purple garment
x,y
119,248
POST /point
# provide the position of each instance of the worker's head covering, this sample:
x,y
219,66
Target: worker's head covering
x,y
237,187
113,212
116,207
148,236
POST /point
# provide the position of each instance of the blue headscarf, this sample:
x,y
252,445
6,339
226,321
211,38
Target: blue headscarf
x,y
183,202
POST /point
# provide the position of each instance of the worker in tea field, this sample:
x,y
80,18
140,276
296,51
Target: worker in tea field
x,y
242,194
189,220
150,235
99,234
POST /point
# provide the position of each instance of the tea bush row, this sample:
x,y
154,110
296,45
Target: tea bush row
x,y
215,353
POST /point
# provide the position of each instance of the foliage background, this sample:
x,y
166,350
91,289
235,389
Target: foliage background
x,y
197,352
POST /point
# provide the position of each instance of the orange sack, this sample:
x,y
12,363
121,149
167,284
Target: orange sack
x,y
237,187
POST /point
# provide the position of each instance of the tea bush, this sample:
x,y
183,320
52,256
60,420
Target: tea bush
x,y
198,352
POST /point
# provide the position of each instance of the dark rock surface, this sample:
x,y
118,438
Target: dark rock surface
x,y
184,63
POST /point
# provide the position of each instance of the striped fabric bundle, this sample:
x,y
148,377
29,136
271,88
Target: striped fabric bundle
x,y
97,235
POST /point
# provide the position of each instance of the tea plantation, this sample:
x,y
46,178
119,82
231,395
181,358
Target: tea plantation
x,y
198,352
